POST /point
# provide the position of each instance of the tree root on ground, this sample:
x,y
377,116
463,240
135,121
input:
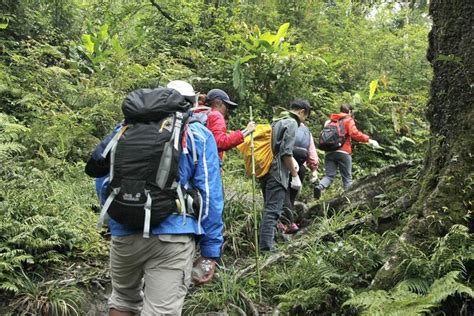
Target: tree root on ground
x,y
362,194
365,191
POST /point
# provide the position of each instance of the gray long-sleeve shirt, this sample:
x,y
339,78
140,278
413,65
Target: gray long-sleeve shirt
x,y
283,141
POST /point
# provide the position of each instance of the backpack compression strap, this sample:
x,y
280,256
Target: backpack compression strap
x,y
146,224
177,129
107,203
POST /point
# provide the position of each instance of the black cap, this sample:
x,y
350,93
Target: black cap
x,y
220,94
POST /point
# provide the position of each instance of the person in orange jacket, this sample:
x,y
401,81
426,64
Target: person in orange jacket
x,y
341,158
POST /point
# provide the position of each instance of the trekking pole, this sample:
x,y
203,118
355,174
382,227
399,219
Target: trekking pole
x,y
257,265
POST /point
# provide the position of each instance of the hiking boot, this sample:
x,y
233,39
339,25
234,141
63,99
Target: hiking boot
x,y
282,228
292,228
317,192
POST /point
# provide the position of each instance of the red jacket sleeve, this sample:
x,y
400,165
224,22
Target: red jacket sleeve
x,y
354,133
216,124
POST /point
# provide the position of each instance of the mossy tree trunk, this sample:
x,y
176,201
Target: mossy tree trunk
x,y
445,190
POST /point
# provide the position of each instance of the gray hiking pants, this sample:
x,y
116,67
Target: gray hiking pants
x,y
332,161
274,195
162,262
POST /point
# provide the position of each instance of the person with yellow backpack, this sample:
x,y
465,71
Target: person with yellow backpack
x,y
275,165
304,152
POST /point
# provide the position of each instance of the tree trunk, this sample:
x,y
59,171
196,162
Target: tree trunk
x,y
447,180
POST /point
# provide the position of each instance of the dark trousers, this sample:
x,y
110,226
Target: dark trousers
x,y
274,195
291,194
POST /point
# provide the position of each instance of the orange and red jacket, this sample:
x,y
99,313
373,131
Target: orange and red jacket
x,y
217,125
351,131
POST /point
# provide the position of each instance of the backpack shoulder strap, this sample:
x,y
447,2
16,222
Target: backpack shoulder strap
x,y
113,141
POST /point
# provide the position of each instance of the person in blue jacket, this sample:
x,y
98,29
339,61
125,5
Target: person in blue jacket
x,y
164,262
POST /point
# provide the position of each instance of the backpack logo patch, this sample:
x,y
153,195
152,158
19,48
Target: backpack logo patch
x,y
131,197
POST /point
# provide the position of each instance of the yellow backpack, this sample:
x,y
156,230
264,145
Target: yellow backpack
x,y
262,140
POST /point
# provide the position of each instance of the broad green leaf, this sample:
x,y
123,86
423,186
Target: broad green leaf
x,y
247,58
104,32
6,20
240,39
88,43
228,61
373,86
268,37
384,95
266,45
116,45
282,31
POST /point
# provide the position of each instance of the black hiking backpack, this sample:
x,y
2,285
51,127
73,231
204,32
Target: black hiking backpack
x,y
332,136
144,155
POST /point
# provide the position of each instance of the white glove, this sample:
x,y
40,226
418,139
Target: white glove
x,y
314,176
374,143
296,183
295,164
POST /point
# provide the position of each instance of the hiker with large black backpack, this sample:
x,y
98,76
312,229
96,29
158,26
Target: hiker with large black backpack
x,y
336,139
155,174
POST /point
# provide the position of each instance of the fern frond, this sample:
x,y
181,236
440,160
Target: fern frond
x,y
370,299
416,285
9,286
446,286
8,149
10,131
402,301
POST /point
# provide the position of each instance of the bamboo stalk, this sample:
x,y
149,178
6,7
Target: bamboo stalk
x,y
257,254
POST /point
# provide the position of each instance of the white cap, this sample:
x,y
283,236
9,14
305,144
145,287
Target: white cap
x,y
182,87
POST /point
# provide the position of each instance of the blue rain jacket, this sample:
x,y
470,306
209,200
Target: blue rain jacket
x,y
205,176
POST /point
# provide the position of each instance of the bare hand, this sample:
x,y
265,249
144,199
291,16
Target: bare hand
x,y
203,270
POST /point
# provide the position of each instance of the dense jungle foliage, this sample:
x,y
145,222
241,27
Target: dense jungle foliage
x,y
66,66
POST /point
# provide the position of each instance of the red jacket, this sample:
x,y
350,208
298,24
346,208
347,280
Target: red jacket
x,y
351,131
216,124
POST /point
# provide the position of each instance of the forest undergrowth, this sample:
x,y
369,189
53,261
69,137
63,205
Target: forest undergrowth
x,y
329,266
66,67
